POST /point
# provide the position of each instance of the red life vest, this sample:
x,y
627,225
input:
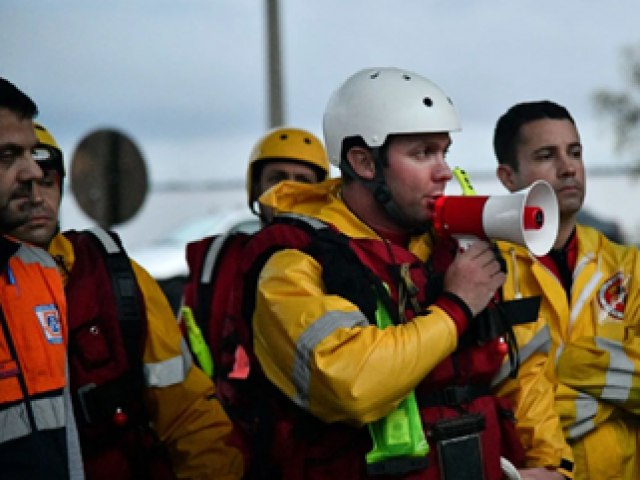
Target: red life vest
x,y
212,261
283,441
107,325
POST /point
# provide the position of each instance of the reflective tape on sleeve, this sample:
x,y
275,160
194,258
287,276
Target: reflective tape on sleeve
x,y
586,409
314,334
619,376
48,413
541,342
171,371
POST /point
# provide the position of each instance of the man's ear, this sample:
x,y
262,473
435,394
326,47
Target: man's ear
x,y
362,162
507,177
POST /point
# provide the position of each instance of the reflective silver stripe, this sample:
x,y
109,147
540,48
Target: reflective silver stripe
x,y
541,342
109,244
313,222
29,254
581,264
48,413
586,408
171,371
186,356
619,377
211,257
583,298
74,454
559,351
14,423
318,331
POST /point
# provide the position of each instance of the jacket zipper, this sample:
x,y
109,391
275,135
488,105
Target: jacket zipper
x,y
14,354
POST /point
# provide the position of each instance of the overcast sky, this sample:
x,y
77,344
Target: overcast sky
x,y
186,79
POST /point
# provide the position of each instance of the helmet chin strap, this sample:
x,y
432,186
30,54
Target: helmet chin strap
x,y
257,212
378,186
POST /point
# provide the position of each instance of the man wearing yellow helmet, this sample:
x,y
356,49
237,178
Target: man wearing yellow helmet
x,y
282,154
143,409
38,437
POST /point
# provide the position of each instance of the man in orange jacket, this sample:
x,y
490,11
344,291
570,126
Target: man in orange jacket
x,y
37,437
143,409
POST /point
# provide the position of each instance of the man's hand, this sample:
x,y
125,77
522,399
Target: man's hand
x,y
539,474
474,276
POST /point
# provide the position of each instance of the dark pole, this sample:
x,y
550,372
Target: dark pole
x,y
113,180
274,66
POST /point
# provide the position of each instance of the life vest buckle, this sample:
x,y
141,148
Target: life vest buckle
x,y
82,392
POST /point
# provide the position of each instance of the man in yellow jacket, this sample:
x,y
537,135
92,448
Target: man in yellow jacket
x,y
332,371
143,409
589,323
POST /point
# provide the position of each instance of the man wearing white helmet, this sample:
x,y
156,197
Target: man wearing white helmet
x,y
345,254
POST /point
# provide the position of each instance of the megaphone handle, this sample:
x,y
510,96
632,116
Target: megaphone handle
x,y
465,241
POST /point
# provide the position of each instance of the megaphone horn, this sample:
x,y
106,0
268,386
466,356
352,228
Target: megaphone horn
x,y
529,218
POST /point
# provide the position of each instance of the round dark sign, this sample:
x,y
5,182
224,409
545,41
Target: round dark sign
x,y
108,177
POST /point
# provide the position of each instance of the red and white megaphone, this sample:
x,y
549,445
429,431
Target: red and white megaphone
x,y
529,217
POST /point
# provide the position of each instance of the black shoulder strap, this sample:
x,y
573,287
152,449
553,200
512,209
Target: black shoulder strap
x,y
342,271
344,274
126,296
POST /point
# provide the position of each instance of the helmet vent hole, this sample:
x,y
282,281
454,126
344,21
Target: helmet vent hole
x,y
284,136
374,75
427,101
406,77
307,141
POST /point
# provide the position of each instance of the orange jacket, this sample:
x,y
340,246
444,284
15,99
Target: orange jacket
x,y
33,339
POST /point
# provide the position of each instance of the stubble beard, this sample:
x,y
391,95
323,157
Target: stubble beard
x,y
11,219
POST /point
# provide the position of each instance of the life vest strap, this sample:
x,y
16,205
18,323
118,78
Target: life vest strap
x,y
452,396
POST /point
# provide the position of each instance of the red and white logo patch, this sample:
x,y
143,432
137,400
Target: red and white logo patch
x,y
612,296
49,319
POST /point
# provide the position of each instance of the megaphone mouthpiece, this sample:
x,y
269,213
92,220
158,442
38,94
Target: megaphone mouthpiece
x,y
533,218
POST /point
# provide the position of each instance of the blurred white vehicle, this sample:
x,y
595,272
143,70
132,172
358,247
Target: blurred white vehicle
x,y
165,259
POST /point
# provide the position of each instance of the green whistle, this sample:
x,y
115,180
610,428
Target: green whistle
x,y
197,342
399,443
465,182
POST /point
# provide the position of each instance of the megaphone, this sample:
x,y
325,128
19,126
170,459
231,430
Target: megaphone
x,y
529,218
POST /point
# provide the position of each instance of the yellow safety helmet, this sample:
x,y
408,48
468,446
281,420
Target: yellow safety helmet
x,y
285,144
47,152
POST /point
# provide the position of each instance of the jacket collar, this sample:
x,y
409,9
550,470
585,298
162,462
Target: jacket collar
x,y
61,250
323,202
8,248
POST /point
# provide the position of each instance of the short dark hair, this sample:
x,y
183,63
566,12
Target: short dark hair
x,y
14,99
507,131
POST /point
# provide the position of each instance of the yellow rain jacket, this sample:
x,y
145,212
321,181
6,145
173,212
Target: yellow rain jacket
x,y
593,345
180,397
345,367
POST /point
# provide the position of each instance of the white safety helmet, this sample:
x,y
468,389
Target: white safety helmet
x,y
377,102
